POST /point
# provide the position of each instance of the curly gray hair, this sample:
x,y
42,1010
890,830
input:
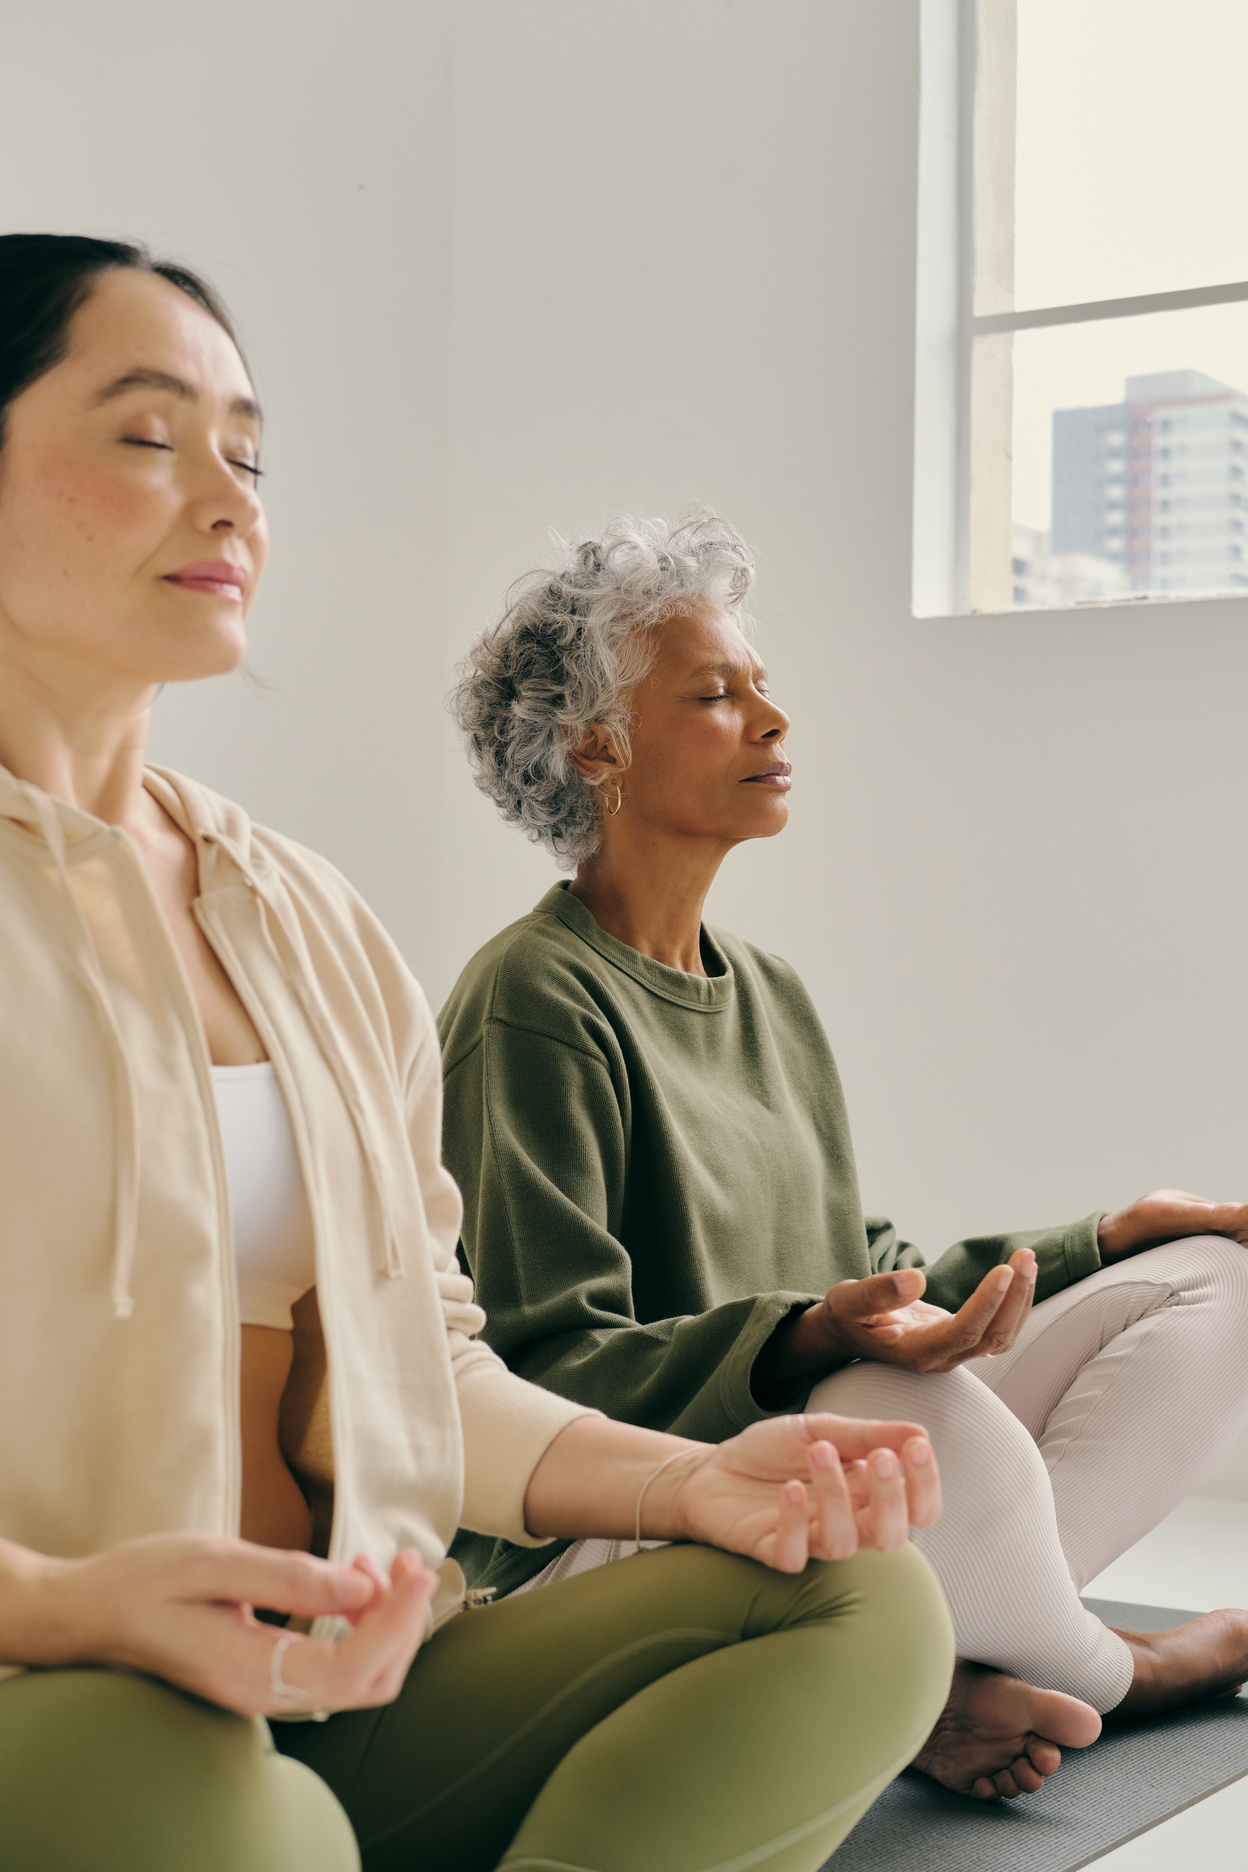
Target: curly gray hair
x,y
575,640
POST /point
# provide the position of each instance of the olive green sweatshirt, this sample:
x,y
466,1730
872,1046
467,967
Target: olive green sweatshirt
x,y
656,1168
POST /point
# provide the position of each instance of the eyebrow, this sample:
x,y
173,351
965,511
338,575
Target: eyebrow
x,y
144,379
755,670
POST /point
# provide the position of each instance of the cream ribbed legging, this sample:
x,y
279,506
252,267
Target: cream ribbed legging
x,y
1058,1455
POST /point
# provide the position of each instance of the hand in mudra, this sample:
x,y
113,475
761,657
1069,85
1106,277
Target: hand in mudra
x,y
1166,1215
179,1607
884,1318
816,1487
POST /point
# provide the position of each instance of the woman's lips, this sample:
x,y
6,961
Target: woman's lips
x,y
218,577
776,776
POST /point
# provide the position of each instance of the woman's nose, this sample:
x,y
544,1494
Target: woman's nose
x,y
228,507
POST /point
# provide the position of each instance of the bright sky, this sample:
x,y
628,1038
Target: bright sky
x,y
1132,177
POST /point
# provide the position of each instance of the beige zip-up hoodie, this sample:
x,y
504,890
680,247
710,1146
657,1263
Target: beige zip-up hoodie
x,y
119,1328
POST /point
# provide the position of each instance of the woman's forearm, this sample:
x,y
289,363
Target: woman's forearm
x,y
590,1477
33,1628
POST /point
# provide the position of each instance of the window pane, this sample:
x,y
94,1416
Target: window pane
x,y
1131,457
1131,175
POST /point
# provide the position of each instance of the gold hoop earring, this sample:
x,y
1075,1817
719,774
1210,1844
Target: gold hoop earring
x,y
619,801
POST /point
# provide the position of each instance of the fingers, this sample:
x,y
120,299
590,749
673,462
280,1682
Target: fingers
x,y
947,1342
884,1524
835,1531
966,1330
269,1576
1012,1314
790,1543
788,1446
368,1668
922,1482
854,1438
878,1293
363,1563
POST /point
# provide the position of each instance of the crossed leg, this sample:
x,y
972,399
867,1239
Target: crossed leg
x,y
1120,1393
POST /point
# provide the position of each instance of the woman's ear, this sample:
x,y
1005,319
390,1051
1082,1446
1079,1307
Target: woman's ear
x,y
594,755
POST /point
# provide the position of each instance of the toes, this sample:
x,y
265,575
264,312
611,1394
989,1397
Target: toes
x,y
983,1789
1029,1782
1006,1785
1043,1756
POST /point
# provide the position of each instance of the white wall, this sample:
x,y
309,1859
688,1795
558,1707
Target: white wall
x,y
504,264
298,151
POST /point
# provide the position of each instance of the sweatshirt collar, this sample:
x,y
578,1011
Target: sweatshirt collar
x,y
709,994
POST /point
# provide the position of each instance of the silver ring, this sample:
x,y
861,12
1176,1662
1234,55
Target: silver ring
x,y
285,1695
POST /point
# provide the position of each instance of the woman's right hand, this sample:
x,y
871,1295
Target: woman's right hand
x,y
179,1606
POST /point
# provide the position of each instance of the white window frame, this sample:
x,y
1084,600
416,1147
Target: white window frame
x,y
965,314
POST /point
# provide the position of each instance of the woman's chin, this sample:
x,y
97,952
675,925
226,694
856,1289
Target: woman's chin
x,y
770,816
207,654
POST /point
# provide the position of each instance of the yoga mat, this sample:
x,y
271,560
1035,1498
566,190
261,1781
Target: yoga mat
x,y
1130,1780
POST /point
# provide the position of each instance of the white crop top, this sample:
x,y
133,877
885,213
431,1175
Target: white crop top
x,y
273,1252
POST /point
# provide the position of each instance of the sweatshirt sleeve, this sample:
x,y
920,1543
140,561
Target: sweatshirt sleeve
x,y
537,1135
507,1423
1063,1255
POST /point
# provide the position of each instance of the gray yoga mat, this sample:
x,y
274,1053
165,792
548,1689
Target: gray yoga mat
x,y
1129,1781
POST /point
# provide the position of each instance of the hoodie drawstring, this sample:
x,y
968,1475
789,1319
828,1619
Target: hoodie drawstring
x,y
125,1100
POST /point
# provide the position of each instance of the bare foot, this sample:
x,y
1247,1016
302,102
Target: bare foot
x,y
998,1735
1207,1657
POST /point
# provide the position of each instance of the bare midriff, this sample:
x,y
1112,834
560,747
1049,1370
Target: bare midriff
x,y
274,1512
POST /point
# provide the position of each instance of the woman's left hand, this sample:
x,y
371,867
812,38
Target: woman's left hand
x,y
795,1489
1167,1215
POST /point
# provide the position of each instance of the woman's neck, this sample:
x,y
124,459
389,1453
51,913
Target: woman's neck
x,y
83,741
653,906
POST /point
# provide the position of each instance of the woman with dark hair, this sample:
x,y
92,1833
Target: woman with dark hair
x,y
238,1363
661,1208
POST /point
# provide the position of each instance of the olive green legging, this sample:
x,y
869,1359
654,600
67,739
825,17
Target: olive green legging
x,y
683,1711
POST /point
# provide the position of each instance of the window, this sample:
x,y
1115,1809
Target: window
x,y
1082,326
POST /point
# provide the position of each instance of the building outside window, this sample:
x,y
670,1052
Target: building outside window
x,y
1082,369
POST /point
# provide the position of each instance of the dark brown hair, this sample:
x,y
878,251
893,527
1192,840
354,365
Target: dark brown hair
x,y
44,278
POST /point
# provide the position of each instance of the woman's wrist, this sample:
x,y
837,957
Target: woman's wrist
x,y
662,1499
39,1622
805,1344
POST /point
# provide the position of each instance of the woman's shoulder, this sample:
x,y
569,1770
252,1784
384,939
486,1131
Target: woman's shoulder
x,y
535,976
764,972
299,883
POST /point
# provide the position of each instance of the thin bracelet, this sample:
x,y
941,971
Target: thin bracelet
x,y
641,1493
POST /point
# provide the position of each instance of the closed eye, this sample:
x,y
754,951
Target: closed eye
x,y
251,468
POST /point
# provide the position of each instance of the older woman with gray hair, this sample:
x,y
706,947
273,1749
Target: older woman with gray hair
x,y
661,1209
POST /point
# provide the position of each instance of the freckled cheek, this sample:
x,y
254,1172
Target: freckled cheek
x,y
82,499
68,533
